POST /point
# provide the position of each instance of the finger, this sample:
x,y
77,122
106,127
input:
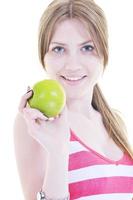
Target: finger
x,y
34,113
51,119
28,88
63,116
32,125
37,115
63,113
57,116
24,100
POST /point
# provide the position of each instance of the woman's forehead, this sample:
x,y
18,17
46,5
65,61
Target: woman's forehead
x,y
71,29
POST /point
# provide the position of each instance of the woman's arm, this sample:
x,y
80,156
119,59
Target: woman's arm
x,y
56,179
36,169
31,159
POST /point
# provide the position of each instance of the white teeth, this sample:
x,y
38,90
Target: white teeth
x,y
73,78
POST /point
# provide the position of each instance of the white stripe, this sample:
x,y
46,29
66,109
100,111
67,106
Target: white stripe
x,y
100,171
121,196
76,147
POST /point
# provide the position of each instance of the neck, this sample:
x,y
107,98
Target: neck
x,y
82,105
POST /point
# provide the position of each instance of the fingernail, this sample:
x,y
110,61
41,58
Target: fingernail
x,y
28,88
30,91
51,118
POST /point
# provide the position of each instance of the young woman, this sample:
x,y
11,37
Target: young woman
x,y
83,153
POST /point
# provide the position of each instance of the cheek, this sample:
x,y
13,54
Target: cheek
x,y
95,70
48,61
53,63
95,65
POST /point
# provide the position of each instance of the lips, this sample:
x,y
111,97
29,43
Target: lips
x,y
72,80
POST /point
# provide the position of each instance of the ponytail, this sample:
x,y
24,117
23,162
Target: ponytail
x,y
112,121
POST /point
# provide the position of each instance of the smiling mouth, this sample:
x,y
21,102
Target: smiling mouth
x,y
73,80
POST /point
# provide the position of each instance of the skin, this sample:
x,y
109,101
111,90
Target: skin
x,y
76,57
74,60
37,133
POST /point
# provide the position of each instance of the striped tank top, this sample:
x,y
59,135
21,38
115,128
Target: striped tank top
x,y
95,177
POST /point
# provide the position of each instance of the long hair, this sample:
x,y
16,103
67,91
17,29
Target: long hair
x,y
92,16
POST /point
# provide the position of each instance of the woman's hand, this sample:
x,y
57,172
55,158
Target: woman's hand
x,y
52,133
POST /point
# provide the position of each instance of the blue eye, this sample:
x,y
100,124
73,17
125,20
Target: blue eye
x,y
58,49
88,48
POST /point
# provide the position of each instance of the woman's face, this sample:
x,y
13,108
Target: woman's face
x,y
72,58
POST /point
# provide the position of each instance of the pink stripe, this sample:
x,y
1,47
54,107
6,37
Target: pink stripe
x,y
126,159
101,186
72,137
84,159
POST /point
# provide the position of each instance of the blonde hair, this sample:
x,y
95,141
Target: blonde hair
x,y
92,16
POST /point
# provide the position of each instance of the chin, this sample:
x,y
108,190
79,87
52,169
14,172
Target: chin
x,y
74,94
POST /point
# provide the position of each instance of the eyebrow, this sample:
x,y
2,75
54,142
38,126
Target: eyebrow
x,y
63,44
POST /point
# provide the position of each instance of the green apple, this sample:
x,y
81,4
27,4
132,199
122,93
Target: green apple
x,y
48,97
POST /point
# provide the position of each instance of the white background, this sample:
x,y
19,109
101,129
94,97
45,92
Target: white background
x,y
20,67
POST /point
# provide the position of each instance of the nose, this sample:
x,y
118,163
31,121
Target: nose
x,y
73,63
